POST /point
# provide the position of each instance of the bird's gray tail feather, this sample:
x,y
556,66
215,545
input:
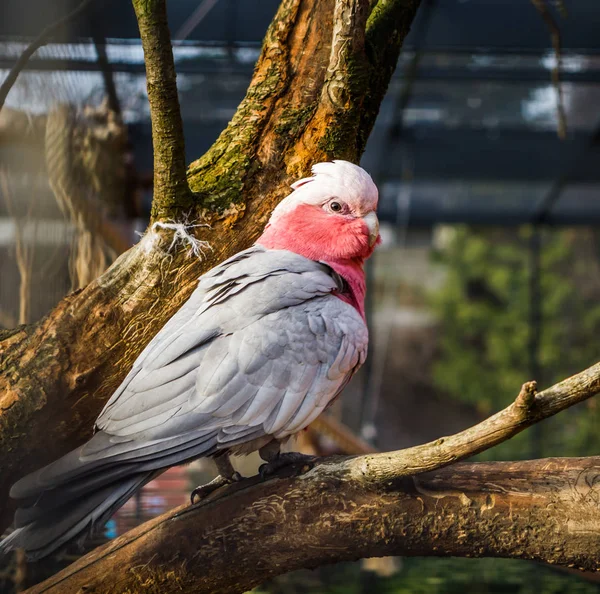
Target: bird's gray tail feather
x,y
65,500
58,517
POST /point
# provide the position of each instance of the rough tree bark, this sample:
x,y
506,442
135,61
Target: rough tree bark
x,y
314,96
172,194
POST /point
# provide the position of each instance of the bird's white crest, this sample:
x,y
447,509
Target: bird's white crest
x,y
338,179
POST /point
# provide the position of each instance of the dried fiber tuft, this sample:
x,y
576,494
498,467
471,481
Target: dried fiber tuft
x,y
181,236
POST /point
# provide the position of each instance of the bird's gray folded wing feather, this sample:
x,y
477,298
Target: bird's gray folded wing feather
x,y
192,326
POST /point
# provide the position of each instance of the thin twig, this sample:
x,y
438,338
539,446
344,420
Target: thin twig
x,y
541,7
194,19
528,409
38,42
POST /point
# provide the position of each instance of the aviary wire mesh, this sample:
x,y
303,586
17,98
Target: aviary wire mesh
x,y
63,168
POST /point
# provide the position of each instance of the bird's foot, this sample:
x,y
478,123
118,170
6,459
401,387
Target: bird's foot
x,y
203,491
303,462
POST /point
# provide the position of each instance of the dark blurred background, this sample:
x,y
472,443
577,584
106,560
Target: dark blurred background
x,y
489,272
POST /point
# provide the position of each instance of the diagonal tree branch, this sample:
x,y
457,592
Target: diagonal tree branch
x,y
352,507
528,409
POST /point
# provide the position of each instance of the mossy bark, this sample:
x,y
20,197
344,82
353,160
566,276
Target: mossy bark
x,y
322,79
544,510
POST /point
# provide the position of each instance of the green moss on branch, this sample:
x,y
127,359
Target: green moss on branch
x,y
294,120
221,174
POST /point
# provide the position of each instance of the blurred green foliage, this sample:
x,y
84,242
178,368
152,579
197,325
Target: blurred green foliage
x,y
484,312
434,576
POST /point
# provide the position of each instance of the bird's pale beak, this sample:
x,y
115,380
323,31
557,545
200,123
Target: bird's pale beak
x,y
372,223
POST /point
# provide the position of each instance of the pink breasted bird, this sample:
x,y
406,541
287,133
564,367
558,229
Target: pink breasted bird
x,y
266,342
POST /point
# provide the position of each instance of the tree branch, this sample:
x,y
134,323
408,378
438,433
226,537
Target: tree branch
x,y
555,37
528,408
172,195
56,375
370,506
544,510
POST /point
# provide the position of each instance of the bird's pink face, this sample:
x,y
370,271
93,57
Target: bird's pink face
x,y
330,216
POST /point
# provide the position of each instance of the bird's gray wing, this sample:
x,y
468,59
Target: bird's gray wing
x,y
200,319
264,350
271,377
283,371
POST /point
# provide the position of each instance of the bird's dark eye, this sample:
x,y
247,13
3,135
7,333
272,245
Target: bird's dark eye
x,y
335,206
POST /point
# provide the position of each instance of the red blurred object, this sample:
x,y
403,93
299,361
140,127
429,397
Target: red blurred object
x,y
165,492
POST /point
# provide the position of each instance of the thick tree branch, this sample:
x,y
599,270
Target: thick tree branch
x,y
56,375
172,195
545,510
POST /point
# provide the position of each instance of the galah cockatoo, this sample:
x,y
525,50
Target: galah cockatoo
x,y
266,342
